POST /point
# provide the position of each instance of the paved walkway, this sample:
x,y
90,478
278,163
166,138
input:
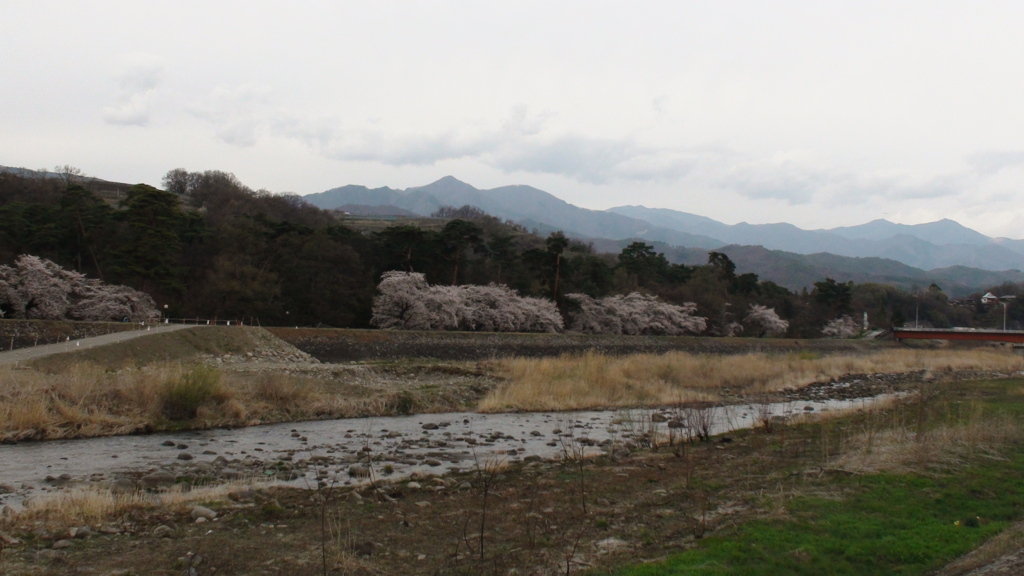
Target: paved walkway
x,y
25,354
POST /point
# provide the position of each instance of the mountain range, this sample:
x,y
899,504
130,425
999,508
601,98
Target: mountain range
x,y
946,252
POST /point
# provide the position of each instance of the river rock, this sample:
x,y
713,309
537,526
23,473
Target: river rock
x,y
203,512
46,555
81,532
169,443
157,479
163,531
6,489
359,471
61,544
610,545
430,426
184,456
122,486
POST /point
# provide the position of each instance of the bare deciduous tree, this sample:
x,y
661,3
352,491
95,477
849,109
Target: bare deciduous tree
x,y
69,174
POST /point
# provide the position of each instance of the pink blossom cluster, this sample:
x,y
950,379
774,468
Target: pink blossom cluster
x,y
407,302
36,288
842,327
766,321
634,313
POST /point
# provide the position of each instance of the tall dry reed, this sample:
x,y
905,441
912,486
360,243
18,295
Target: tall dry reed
x,y
93,505
575,382
890,442
87,400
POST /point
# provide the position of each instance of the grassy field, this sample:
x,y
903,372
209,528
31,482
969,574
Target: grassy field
x,y
587,381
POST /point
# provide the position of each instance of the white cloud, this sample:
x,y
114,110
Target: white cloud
x,y
138,76
238,114
990,162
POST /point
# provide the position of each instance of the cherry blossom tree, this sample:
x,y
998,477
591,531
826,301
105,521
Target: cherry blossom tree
x,y
634,313
842,327
37,288
405,301
730,329
766,321
400,304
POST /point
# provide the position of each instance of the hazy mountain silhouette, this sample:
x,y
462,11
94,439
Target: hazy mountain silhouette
x,y
871,250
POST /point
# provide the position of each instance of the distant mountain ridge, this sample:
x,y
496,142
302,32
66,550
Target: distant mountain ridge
x,y
941,244
933,245
524,204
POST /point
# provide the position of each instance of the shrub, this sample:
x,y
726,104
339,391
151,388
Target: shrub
x,y
403,403
183,395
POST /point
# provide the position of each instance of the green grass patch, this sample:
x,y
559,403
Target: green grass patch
x,y
883,525
873,524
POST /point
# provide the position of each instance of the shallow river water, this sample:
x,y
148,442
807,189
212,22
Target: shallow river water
x,y
343,451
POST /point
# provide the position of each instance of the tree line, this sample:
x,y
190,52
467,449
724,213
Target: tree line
x,y
205,245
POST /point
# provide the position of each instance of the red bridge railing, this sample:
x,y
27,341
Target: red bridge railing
x,y
1015,336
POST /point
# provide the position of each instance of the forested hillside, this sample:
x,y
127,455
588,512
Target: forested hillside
x,y
207,246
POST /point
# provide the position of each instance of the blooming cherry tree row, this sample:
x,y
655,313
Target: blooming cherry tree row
x,y
633,313
36,288
406,302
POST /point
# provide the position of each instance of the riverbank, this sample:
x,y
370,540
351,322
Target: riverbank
x,y
932,472
209,377
248,378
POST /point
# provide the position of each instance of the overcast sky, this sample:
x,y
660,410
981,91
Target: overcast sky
x,y
818,113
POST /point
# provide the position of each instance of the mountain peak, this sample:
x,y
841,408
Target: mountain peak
x,y
446,185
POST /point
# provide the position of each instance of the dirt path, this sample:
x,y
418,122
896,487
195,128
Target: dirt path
x,y
26,354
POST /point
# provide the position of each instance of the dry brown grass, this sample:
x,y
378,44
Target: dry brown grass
x,y
595,380
890,441
87,400
94,506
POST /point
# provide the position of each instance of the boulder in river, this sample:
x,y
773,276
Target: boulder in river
x,y
157,479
